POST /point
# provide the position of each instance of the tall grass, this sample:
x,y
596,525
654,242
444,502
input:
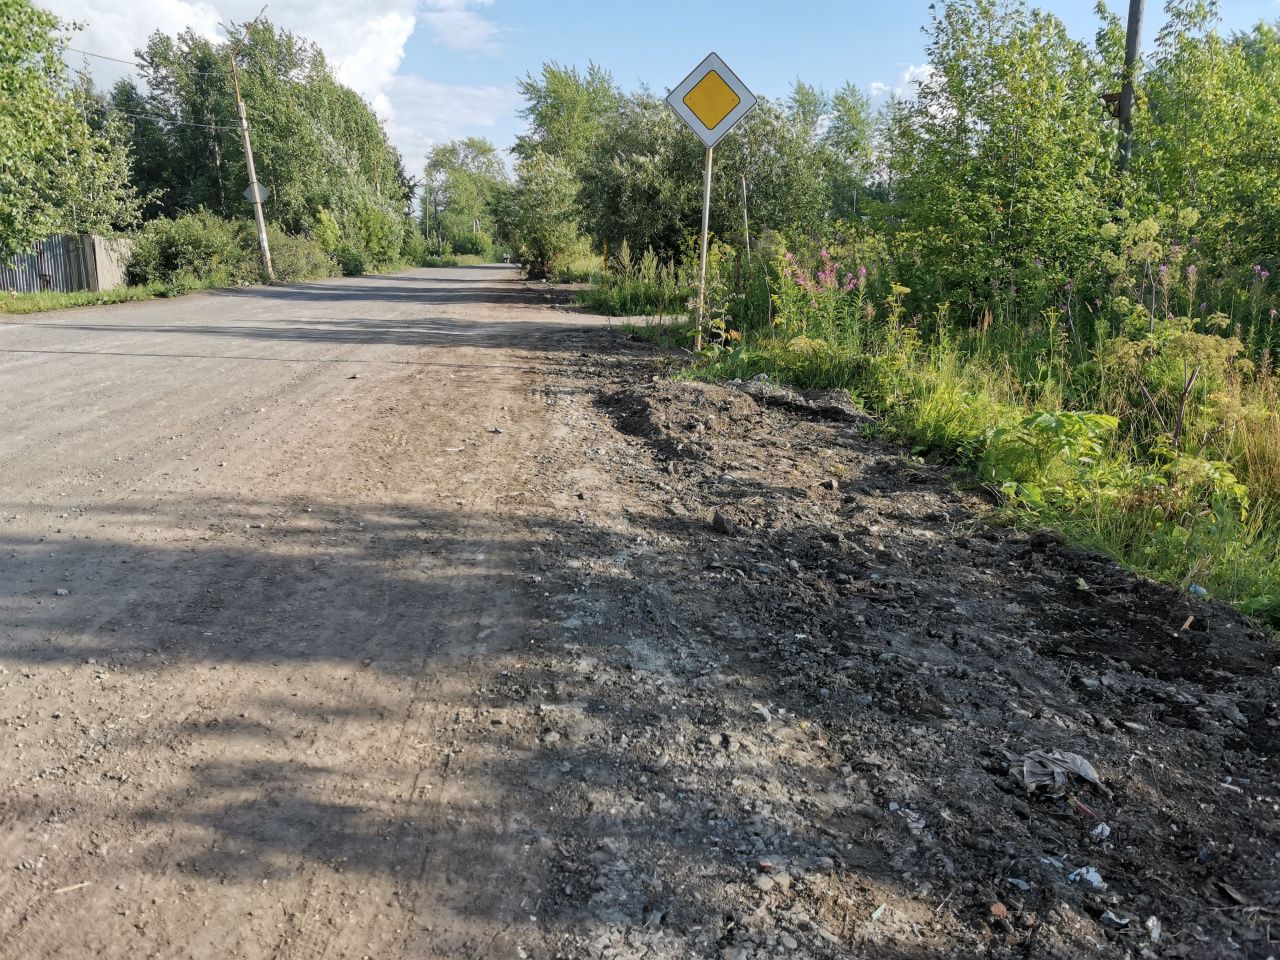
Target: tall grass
x,y
20,303
636,288
1151,437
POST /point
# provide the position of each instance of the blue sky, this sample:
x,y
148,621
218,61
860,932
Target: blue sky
x,y
769,44
438,69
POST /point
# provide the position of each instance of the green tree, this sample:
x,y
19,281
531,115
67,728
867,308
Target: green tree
x,y
568,113
1208,132
317,145
56,172
849,138
1001,166
644,182
463,184
540,215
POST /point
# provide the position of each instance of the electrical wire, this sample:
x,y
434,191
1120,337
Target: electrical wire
x,y
176,123
135,63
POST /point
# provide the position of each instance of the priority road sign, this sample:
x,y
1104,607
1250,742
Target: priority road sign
x,y
711,100
262,193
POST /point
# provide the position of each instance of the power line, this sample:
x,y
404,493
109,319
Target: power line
x,y
177,123
135,63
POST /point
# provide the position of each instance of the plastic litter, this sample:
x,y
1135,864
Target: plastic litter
x,y
1052,770
1089,875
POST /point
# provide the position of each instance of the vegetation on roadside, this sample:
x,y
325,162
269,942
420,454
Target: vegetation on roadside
x,y
464,188
454,260
164,149
645,286
201,250
334,176
58,172
14,304
1096,346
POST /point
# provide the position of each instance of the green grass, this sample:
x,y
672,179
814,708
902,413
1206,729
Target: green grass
x,y
635,297
20,303
677,334
960,407
455,260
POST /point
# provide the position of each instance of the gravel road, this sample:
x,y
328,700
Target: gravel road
x,y
251,540
420,616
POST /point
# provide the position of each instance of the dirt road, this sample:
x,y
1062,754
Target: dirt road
x,y
387,618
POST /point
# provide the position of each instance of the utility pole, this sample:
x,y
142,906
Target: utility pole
x,y
255,189
1132,36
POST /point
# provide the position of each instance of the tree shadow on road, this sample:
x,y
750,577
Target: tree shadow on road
x,y
633,733
339,674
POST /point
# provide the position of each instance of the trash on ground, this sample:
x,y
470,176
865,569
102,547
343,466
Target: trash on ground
x,y
1052,770
1089,875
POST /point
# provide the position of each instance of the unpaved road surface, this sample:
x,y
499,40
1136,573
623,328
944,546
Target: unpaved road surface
x,y
387,618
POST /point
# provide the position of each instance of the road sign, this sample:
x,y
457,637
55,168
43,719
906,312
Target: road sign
x,y
263,193
711,100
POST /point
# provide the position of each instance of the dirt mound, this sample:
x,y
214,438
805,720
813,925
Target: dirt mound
x,y
686,429
932,652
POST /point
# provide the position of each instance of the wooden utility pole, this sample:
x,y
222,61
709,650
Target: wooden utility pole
x,y
255,189
1131,40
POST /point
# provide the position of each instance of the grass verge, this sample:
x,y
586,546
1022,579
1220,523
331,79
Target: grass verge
x,y
455,260
20,303
1182,520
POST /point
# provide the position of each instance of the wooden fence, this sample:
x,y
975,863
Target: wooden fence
x,y
68,262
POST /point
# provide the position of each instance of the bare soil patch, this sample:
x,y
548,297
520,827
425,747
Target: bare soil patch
x,y
516,647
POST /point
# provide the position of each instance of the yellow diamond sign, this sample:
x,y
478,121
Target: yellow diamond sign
x,y
711,100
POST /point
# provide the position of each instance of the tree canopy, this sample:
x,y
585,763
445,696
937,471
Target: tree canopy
x,y
318,146
57,173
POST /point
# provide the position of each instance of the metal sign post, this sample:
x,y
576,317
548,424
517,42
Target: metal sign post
x,y
710,100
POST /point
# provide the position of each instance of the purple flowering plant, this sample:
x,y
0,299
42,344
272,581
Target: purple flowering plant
x,y
826,302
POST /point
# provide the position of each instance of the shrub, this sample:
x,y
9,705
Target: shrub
x,y
574,263
201,250
379,237
480,244
350,260
413,249
195,249
297,258
326,231
542,218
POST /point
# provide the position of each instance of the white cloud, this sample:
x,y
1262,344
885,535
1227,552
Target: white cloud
x,y
457,24
118,29
425,112
363,41
907,83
